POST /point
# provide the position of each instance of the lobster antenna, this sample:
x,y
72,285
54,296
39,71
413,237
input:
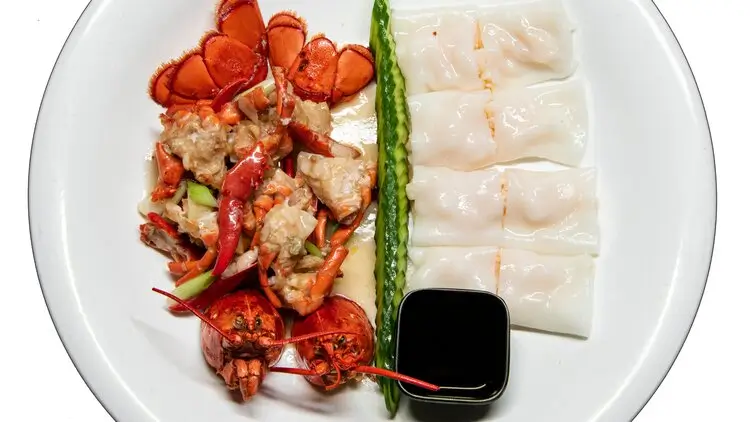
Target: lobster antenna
x,y
195,312
293,371
304,337
396,376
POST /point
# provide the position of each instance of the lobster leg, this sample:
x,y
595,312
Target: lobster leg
x,y
323,282
284,102
170,173
192,269
245,375
319,235
265,258
328,271
342,235
319,143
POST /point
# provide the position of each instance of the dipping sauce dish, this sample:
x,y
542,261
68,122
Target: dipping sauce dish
x,y
458,339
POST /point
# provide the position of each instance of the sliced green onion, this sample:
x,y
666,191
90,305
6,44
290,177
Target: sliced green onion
x,y
313,250
179,194
201,194
194,286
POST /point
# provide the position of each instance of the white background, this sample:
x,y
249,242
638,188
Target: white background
x,y
708,381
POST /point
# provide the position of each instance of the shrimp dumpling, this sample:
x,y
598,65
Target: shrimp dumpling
x,y
450,129
525,43
454,208
551,212
454,267
435,50
548,292
548,122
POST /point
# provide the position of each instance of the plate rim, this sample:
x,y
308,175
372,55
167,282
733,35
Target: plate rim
x,y
108,398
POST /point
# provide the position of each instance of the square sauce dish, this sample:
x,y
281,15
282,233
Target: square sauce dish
x,y
431,327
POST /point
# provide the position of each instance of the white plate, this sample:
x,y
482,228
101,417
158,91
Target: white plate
x,y
96,125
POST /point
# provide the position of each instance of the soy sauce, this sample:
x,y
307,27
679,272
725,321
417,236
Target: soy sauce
x,y
457,339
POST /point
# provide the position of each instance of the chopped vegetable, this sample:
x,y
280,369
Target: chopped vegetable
x,y
313,250
201,194
391,231
195,286
181,191
216,290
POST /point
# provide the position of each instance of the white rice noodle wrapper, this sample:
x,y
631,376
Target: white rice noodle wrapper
x,y
547,292
525,43
435,49
473,130
551,212
454,267
548,122
470,48
451,129
454,208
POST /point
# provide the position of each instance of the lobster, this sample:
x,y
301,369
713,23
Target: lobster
x,y
235,57
239,184
337,358
242,337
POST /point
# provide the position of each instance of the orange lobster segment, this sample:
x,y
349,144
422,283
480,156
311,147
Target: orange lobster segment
x,y
356,68
224,6
160,90
236,58
286,33
284,102
170,173
227,59
242,20
227,94
313,72
192,80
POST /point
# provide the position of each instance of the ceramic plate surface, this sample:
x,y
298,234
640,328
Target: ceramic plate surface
x,y
96,125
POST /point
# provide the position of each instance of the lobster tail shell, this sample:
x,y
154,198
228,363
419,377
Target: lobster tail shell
x,y
236,53
287,34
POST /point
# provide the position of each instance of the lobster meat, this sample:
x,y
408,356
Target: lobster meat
x,y
337,358
162,236
242,337
235,57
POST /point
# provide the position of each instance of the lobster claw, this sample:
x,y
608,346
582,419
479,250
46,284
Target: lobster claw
x,y
239,184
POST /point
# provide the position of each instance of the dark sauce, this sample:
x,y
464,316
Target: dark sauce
x,y
457,339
